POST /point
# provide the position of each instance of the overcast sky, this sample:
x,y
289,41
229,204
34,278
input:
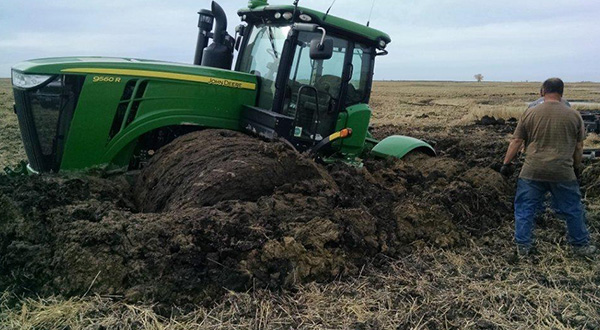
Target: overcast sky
x,y
508,40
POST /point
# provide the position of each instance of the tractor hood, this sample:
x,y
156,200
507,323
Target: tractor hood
x,y
138,68
82,112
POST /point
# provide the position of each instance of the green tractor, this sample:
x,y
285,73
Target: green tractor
x,y
301,76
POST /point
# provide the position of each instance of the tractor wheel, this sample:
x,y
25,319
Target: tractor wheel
x,y
207,167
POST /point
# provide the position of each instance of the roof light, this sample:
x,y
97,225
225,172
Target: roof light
x,y
382,44
287,15
22,80
277,15
305,18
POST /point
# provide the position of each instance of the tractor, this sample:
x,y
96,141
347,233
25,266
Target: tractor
x,y
300,76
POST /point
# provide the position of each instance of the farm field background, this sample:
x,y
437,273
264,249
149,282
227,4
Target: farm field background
x,y
469,281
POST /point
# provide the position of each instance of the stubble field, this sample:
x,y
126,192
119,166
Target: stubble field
x,y
414,244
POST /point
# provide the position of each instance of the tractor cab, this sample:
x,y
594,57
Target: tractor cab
x,y
312,69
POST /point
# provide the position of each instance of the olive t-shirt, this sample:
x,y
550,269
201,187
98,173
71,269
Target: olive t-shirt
x,y
551,132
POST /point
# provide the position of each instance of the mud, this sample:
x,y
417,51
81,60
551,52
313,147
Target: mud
x,y
217,211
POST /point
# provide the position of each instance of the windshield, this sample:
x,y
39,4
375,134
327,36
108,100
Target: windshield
x,y
262,57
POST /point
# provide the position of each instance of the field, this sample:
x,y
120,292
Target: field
x,y
414,244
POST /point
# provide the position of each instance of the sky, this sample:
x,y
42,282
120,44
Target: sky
x,y
508,40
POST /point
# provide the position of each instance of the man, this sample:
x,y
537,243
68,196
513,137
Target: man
x,y
553,136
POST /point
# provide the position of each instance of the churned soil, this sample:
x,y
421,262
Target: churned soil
x,y
218,210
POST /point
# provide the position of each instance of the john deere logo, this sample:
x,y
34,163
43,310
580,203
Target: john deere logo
x,y
225,83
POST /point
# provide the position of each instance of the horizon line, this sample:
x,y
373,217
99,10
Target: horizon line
x,y
460,81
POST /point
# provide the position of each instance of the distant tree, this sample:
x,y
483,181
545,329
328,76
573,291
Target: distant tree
x,y
478,77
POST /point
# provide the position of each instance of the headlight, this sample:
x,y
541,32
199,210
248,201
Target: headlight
x,y
22,80
287,15
305,18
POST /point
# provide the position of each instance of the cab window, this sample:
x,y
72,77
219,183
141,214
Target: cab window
x,y
358,86
262,58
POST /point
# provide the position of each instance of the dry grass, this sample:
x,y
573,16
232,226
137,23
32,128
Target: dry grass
x,y
586,107
592,141
11,148
440,104
480,286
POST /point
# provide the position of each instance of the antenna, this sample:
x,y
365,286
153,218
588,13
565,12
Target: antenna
x,y
371,13
328,9
295,10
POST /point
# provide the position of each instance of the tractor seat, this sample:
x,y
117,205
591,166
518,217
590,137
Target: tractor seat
x,y
329,84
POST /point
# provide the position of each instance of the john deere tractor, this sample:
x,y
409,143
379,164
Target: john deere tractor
x,y
301,76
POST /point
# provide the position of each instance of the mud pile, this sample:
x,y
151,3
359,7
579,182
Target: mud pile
x,y
219,210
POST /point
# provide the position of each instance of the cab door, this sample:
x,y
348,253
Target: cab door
x,y
315,88
357,113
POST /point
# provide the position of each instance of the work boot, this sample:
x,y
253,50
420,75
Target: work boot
x,y
586,250
523,251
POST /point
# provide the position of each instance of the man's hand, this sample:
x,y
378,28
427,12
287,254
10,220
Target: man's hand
x,y
507,170
578,172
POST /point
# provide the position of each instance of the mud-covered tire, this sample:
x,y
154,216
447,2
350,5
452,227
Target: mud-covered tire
x,y
206,167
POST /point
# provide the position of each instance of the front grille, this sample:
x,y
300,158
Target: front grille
x,y
45,115
46,106
27,127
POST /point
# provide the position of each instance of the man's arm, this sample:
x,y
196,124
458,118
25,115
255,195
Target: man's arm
x,y
513,149
578,155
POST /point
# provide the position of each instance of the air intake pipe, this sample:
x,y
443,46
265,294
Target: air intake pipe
x,y
220,53
205,25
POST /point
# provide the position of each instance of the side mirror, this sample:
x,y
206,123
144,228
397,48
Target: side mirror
x,y
321,48
240,31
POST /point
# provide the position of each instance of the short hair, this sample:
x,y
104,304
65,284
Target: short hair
x,y
553,85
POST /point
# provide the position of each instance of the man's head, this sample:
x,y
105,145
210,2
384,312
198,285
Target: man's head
x,y
553,88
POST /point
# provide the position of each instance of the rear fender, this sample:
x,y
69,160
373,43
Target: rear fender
x,y
399,146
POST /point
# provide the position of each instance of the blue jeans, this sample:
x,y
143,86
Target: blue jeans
x,y
566,199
